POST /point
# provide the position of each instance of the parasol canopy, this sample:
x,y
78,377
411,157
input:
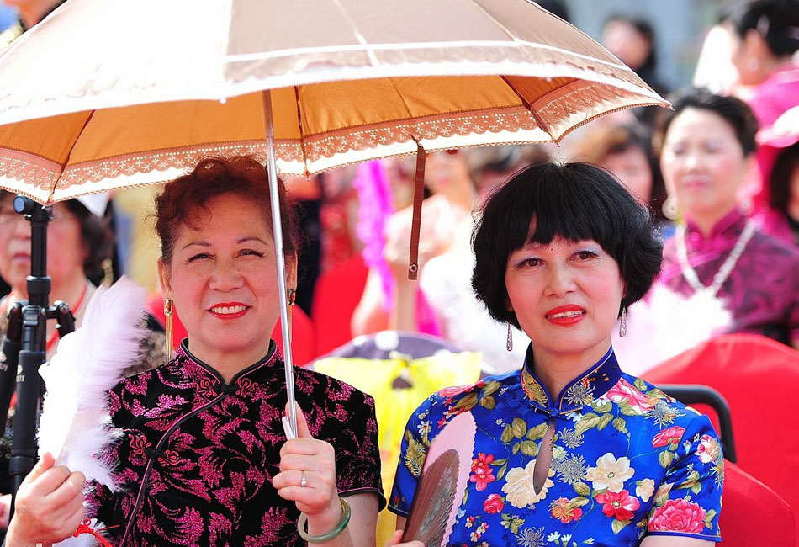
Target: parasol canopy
x,y
146,88
104,95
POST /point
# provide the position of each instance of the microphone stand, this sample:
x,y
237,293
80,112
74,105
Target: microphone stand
x,y
27,332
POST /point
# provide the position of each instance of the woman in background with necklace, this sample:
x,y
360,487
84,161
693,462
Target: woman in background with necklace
x,y
706,145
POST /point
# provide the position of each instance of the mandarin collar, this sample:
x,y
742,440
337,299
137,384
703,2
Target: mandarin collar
x,y
731,225
190,360
591,384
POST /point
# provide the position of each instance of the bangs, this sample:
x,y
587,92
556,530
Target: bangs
x,y
574,201
564,204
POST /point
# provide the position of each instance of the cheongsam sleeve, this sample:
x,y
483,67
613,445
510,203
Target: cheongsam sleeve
x,y
688,501
357,453
413,451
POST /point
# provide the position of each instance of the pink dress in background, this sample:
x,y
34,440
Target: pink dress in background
x,y
769,100
761,292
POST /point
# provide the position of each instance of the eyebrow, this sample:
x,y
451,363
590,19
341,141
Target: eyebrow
x,y
251,238
206,244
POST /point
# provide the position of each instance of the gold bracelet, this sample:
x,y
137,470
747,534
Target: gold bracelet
x,y
346,513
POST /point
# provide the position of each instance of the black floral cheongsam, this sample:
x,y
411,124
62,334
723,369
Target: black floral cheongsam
x,y
197,455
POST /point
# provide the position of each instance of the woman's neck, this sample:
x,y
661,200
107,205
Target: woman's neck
x,y
556,370
705,222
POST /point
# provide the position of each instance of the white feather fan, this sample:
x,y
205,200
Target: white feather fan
x,y
665,325
75,423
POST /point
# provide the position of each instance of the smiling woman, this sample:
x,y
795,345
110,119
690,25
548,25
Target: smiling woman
x,y
569,448
217,241
707,154
204,459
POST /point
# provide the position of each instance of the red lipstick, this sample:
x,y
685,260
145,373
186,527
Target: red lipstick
x,y
229,310
566,316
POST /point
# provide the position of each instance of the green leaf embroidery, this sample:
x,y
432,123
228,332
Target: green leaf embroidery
x,y
578,502
466,403
537,432
511,522
604,421
665,458
620,424
507,434
582,489
618,525
502,471
601,406
519,428
586,422
709,516
490,388
529,448
488,402
414,455
627,410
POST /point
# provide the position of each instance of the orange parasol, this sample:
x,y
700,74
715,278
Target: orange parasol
x,y
104,95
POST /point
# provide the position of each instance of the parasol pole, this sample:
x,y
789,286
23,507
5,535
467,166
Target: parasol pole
x,y
280,262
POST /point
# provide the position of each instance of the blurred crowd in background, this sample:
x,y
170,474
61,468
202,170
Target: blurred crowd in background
x,y
705,179
356,220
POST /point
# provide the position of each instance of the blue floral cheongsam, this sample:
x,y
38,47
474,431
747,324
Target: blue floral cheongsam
x,y
627,461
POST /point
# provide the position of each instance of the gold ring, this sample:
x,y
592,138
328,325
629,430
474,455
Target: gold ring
x,y
303,480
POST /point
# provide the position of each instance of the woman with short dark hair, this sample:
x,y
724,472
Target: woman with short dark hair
x,y
568,449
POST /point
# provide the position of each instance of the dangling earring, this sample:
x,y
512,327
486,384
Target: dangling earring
x,y
291,296
168,341
623,323
509,341
670,209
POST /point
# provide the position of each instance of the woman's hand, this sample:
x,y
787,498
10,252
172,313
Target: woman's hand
x,y
308,478
397,537
49,505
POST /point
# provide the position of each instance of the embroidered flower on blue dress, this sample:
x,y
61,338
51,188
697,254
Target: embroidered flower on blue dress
x,y
627,461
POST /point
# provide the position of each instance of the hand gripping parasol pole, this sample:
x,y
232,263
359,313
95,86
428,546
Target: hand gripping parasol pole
x,y
280,263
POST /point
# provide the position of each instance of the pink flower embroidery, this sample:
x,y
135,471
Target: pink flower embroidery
x,y
482,473
618,505
709,449
493,504
668,436
624,391
678,516
563,510
453,391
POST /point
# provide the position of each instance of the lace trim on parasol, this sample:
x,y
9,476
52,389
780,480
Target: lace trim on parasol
x,y
37,174
34,176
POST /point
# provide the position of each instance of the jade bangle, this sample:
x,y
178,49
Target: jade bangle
x,y
346,513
